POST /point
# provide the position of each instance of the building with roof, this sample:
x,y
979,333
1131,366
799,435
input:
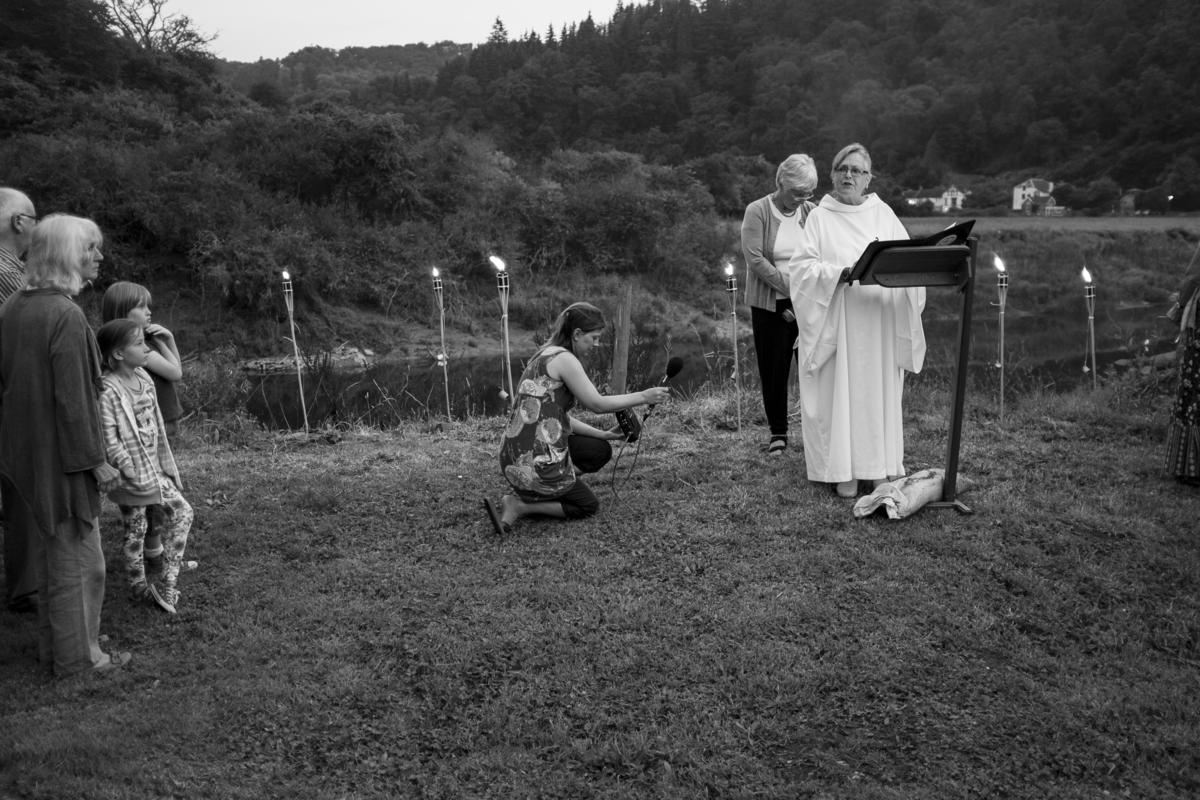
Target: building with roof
x,y
1032,195
942,200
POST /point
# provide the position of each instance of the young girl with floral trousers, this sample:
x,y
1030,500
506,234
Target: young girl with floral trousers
x,y
136,444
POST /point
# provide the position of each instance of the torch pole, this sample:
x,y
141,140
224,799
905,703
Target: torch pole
x,y
1089,296
1002,288
288,300
731,289
502,286
442,358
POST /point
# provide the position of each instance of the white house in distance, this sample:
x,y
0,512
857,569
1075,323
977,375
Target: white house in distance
x,y
942,200
1032,192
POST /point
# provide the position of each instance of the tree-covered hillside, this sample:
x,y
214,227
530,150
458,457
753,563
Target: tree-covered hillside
x,y
614,146
1074,90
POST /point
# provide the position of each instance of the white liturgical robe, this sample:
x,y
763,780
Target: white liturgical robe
x,y
854,346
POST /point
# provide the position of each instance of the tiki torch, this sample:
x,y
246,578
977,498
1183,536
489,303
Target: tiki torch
x,y
442,359
1089,296
288,301
731,289
502,289
1002,291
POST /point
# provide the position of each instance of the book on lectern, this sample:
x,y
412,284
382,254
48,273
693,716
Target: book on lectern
x,y
955,234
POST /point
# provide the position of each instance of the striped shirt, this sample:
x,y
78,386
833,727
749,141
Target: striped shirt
x,y
135,441
12,275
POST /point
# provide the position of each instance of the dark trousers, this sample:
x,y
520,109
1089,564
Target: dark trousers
x,y
774,338
588,454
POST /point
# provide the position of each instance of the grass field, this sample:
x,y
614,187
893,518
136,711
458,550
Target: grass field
x,y
984,225
722,629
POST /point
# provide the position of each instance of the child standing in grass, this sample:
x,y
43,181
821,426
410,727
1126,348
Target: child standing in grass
x,y
135,442
126,300
132,301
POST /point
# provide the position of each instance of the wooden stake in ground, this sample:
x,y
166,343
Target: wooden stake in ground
x,y
620,357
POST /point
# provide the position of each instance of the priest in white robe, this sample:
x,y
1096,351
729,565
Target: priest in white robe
x,y
855,342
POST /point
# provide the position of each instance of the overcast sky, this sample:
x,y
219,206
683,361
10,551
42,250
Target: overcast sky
x,y
251,29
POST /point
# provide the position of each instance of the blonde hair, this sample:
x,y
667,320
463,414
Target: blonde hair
x,y
58,251
797,170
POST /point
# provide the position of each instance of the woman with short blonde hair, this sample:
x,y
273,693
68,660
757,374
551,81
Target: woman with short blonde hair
x,y
771,231
855,342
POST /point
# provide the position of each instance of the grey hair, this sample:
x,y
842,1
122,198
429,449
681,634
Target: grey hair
x,y
58,252
846,152
797,170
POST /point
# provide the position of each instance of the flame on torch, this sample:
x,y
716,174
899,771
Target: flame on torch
x,y
498,263
286,277
1087,276
999,262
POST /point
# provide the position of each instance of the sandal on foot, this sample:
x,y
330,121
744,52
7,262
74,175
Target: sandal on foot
x,y
501,528
776,447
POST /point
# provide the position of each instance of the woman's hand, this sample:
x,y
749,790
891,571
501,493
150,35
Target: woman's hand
x,y
656,394
107,477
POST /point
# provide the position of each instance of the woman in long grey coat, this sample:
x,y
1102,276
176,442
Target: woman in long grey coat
x,y
51,447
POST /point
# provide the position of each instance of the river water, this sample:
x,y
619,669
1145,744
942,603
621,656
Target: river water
x,y
1045,351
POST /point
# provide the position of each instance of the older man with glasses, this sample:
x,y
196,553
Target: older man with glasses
x,y
17,221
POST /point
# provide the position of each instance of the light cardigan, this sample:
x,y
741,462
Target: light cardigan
x,y
759,230
139,466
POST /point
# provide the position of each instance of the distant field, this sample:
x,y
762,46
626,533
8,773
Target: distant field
x,y
918,225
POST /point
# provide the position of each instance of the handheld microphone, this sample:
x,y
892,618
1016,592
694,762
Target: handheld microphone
x,y
627,418
674,367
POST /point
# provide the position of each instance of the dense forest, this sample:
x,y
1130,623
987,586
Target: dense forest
x,y
612,145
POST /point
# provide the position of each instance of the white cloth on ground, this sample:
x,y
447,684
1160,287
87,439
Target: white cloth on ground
x,y
903,497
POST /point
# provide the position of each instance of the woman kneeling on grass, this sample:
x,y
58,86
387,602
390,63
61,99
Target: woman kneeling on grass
x,y
544,446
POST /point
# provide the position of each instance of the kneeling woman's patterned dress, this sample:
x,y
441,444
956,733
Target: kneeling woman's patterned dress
x,y
535,456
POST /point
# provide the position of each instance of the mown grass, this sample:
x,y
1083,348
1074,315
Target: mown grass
x,y
722,629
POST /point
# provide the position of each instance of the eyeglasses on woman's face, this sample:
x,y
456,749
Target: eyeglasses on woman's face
x,y
857,172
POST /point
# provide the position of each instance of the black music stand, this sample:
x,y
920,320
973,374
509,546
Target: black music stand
x,y
944,259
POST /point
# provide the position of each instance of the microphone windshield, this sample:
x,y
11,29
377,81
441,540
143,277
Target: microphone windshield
x,y
674,367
